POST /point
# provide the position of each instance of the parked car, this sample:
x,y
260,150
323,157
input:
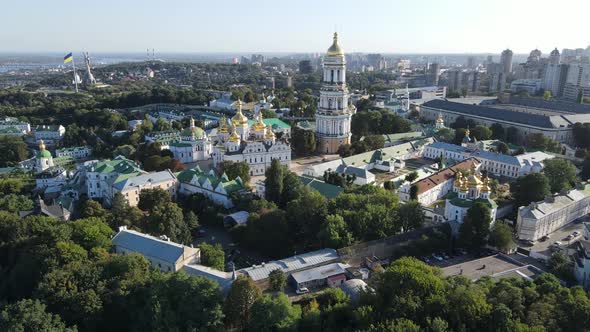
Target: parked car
x,y
438,258
544,238
569,237
576,234
302,290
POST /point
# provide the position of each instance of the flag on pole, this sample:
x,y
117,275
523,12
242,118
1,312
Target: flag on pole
x,y
69,57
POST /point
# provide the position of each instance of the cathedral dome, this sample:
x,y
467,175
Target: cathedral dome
x,y
335,49
259,126
195,133
234,137
223,127
239,118
555,52
43,153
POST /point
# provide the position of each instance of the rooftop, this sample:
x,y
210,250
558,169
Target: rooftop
x,y
479,154
143,179
320,272
443,175
560,106
148,245
326,189
538,210
294,263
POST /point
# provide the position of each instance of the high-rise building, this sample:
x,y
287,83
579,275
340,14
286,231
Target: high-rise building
x,y
577,83
506,61
455,80
555,77
496,77
534,56
334,113
471,62
433,75
305,67
554,57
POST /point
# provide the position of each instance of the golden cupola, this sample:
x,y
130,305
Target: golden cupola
x,y
239,119
269,134
223,127
234,137
335,49
259,125
459,180
486,186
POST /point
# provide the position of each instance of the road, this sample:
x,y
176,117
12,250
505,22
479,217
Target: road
x,y
559,235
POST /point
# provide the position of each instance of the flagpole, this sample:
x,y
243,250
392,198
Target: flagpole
x,y
75,78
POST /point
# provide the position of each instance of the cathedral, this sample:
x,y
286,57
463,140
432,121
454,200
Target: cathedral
x,y
257,144
468,190
334,113
193,145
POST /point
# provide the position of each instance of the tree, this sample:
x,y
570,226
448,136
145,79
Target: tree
x,y
274,182
412,176
305,214
303,141
547,95
277,280
561,265
475,228
411,215
561,174
212,256
167,219
235,169
512,135
481,132
13,150
15,203
503,148
530,188
237,308
498,131
581,133
345,150
162,125
150,198
501,237
274,314
92,208
585,173
334,232
92,233
445,135
11,186
374,142
30,315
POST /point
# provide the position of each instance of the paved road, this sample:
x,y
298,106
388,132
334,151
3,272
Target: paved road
x,y
560,235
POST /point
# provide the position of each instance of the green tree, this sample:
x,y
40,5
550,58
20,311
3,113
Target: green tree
x,y
345,150
481,132
150,198
503,148
303,141
334,232
561,265
239,301
561,174
92,208
13,150
411,215
445,135
31,315
585,173
475,228
212,256
374,142
15,203
277,280
305,214
234,169
530,188
92,233
412,176
547,95
501,237
274,182
162,125
498,131
167,219
11,186
274,314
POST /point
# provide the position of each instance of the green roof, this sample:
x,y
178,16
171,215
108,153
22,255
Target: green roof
x,y
467,203
402,136
10,131
274,123
120,165
326,189
44,154
229,185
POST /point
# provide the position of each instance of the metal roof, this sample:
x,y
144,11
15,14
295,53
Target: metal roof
x,y
559,106
148,245
294,263
320,272
499,114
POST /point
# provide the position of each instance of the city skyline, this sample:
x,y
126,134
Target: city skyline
x,y
422,27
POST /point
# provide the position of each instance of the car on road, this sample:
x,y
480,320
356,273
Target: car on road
x,y
576,234
569,237
544,238
438,258
302,290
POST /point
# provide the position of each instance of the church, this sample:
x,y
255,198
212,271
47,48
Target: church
x,y
255,144
193,145
335,110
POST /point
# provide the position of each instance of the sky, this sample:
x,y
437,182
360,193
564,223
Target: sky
x,y
386,26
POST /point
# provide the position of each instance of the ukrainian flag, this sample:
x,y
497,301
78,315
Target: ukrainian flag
x,y
69,57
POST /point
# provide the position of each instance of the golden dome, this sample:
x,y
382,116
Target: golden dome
x,y
223,127
259,126
464,188
234,137
459,180
239,119
335,49
440,118
486,186
269,134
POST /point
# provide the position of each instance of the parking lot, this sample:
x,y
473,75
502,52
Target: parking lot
x,y
559,235
497,266
443,260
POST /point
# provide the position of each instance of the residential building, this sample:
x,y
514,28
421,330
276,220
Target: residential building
x,y
555,78
334,112
76,153
134,124
542,218
100,176
48,133
12,126
256,145
582,262
165,138
217,189
163,254
531,86
578,82
554,57
331,275
436,186
556,127
506,61
494,163
468,190
54,210
169,115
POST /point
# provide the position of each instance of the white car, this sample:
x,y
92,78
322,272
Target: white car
x,y
302,290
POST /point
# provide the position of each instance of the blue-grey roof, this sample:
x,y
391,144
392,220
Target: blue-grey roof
x,y
320,272
148,245
535,120
480,154
560,106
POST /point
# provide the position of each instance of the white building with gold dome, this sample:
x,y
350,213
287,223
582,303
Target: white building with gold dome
x,y
194,145
257,145
334,112
468,190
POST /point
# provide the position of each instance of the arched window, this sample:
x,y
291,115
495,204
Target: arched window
x,y
330,103
332,75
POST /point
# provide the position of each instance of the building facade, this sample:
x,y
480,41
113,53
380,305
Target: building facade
x,y
51,134
193,144
334,112
217,189
15,126
76,153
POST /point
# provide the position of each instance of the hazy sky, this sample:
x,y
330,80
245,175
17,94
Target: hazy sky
x,y
388,26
